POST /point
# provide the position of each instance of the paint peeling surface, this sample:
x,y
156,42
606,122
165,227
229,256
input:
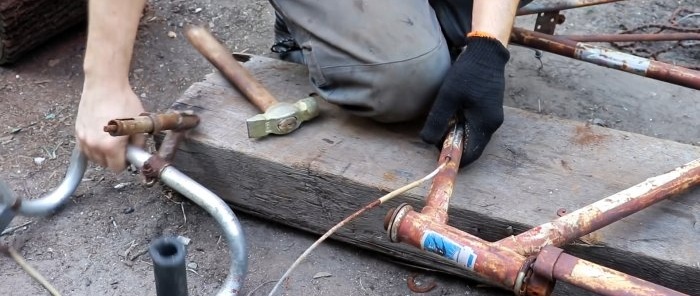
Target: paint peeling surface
x,y
603,280
613,59
608,210
443,246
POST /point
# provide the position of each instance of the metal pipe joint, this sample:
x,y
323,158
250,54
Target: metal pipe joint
x,y
152,123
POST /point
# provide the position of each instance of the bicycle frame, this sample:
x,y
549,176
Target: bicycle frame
x,y
529,263
574,46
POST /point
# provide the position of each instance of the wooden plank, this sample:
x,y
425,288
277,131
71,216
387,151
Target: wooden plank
x,y
535,165
26,24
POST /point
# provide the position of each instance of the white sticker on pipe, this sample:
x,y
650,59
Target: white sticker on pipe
x,y
443,246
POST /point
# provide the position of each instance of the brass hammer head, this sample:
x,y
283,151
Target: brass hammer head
x,y
282,118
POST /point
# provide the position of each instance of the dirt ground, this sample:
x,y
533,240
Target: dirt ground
x,y
96,244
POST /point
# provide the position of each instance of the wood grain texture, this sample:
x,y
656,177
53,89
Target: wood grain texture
x,y
25,24
535,164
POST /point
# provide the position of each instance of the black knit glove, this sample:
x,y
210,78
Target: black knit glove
x,y
472,94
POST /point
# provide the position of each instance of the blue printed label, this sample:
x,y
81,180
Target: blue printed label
x,y
438,244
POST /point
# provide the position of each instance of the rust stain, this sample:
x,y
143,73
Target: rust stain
x,y
152,123
603,280
584,135
389,176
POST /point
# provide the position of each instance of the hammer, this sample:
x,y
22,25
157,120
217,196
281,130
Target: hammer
x,y
278,117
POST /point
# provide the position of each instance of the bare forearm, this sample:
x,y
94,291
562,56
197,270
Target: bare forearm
x,y
112,29
495,17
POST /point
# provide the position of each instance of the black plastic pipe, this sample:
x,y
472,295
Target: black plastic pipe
x,y
168,255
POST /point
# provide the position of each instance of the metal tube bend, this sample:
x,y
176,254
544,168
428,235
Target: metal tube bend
x,y
51,201
216,207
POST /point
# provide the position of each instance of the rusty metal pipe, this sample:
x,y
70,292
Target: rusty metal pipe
x,y
552,6
606,211
427,230
438,200
553,264
632,37
494,264
168,147
510,263
503,267
152,123
607,58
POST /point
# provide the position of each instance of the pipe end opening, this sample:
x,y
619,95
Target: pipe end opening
x,y
167,250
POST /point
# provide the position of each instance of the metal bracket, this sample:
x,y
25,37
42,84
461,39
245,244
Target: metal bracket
x,y
547,21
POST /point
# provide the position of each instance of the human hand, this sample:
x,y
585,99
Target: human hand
x,y
98,105
472,93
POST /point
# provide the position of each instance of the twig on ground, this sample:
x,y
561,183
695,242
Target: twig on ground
x,y
362,286
258,287
688,16
115,225
184,217
192,271
342,223
12,229
138,254
12,253
132,245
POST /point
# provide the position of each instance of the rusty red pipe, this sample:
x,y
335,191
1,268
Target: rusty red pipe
x,y
494,264
168,147
606,211
539,6
427,230
438,200
152,123
607,58
501,266
510,263
553,264
632,37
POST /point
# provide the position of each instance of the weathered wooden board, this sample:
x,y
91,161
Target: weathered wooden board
x,y
535,165
25,24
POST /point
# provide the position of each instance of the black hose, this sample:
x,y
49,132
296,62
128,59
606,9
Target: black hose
x,y
168,255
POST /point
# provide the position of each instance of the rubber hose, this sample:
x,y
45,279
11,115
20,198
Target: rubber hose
x,y
168,254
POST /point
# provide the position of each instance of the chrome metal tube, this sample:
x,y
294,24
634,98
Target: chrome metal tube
x,y
52,200
607,58
216,207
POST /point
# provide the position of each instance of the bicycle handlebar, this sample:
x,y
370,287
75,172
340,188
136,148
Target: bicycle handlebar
x,y
10,206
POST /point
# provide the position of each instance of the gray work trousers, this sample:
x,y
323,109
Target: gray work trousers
x,y
383,59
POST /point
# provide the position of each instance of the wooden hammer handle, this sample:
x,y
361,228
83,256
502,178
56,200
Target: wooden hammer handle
x,y
223,60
